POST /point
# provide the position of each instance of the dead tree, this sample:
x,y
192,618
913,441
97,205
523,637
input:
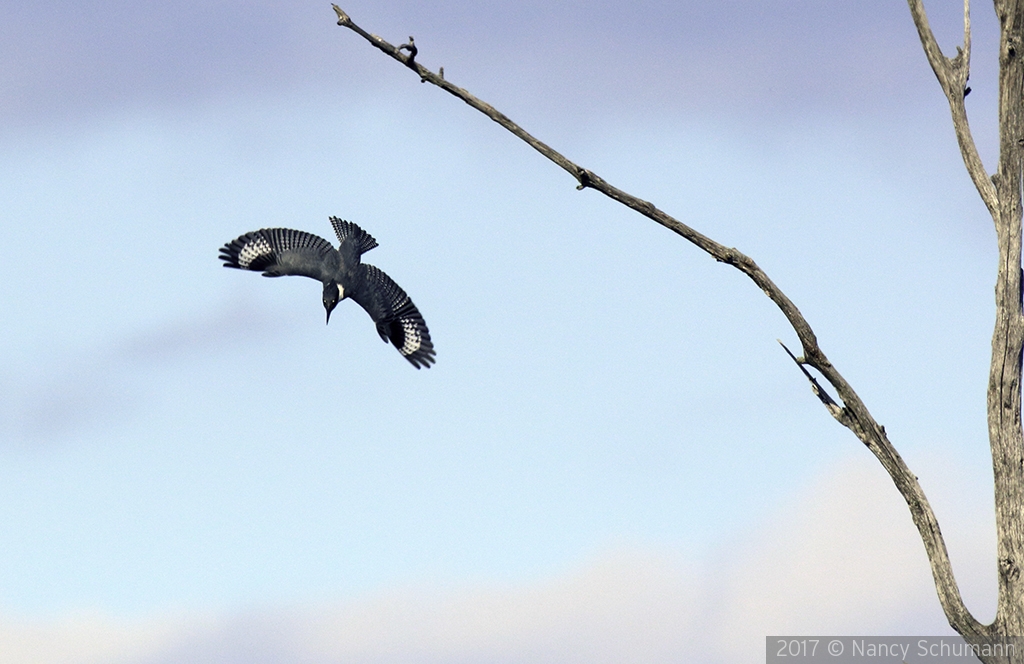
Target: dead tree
x,y
1001,194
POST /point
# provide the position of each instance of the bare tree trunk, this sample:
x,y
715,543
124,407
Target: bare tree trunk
x,y
1004,404
1002,196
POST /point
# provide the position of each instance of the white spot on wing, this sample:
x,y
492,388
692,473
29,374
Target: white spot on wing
x,y
412,337
253,250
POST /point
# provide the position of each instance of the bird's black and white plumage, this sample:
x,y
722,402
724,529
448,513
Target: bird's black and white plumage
x,y
282,251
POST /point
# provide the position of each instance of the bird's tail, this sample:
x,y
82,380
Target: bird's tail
x,y
350,232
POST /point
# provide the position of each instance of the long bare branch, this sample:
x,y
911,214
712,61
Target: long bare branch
x,y
853,414
953,74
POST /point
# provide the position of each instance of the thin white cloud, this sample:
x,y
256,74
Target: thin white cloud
x,y
627,607
83,639
843,558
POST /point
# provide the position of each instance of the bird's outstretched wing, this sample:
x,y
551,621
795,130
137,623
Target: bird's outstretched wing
x,y
280,251
397,318
350,232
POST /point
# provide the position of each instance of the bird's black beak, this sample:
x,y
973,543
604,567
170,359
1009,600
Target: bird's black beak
x,y
332,295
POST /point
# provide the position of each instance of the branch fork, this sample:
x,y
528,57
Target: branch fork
x,y
953,74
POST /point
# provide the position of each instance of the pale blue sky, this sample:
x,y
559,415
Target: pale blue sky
x,y
179,441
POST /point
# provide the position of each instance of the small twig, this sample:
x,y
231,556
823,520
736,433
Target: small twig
x,y
834,409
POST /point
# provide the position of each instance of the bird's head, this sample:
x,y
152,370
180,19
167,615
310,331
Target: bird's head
x,y
333,293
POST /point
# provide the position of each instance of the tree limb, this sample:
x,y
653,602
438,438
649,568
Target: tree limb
x,y
953,74
852,414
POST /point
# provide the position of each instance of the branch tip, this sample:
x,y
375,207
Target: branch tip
x,y
343,18
799,360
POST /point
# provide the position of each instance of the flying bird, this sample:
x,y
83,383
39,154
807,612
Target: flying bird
x,y
282,251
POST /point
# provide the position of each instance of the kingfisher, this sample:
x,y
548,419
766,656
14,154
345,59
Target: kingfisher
x,y
283,251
